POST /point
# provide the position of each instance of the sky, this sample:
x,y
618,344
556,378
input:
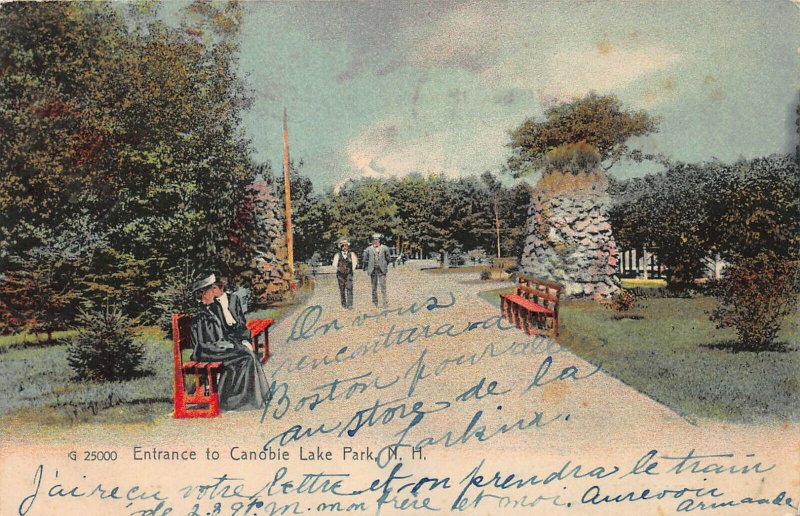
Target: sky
x,y
384,89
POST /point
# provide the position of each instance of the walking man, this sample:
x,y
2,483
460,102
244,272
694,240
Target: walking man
x,y
345,264
376,260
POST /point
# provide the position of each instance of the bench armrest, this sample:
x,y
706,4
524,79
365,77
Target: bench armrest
x,y
257,328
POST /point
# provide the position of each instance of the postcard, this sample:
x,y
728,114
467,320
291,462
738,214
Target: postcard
x,y
409,257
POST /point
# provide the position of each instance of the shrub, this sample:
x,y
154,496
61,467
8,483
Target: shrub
x,y
485,275
105,348
623,301
457,257
754,296
477,255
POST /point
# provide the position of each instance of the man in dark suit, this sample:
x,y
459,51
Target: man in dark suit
x,y
376,263
345,263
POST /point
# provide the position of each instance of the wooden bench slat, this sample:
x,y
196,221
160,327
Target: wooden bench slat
x,y
529,305
550,284
256,326
543,294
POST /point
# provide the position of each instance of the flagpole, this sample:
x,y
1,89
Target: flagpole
x,y
288,199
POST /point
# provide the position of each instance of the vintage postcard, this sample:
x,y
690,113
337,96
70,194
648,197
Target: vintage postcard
x,y
401,257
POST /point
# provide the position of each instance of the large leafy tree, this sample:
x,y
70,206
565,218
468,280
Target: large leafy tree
x,y
129,122
359,209
599,121
668,213
756,215
754,206
694,211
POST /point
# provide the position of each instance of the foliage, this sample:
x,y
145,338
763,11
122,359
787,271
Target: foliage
x,y
477,255
456,257
597,121
415,213
755,295
310,214
622,301
105,348
755,208
572,158
174,297
134,125
359,209
693,211
40,289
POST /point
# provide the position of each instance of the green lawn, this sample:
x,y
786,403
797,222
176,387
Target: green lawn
x,y
39,387
643,283
671,352
24,340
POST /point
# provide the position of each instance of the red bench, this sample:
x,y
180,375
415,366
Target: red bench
x,y
534,306
204,401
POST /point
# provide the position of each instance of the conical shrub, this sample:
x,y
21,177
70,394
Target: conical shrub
x,y
105,347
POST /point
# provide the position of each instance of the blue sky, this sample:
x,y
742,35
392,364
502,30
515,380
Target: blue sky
x,y
387,88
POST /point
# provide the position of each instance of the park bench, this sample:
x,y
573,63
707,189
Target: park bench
x,y
533,307
203,401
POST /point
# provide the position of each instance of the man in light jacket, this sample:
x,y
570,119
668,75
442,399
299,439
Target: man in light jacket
x,y
376,262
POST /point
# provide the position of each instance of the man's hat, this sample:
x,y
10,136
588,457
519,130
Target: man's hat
x,y
376,236
343,241
204,280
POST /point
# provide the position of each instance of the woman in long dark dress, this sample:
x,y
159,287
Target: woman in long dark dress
x,y
220,334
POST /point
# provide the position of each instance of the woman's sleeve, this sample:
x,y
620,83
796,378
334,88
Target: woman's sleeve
x,y
238,314
201,339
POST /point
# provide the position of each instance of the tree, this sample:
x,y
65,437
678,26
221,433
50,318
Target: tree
x,y
509,207
105,347
473,223
599,121
755,295
755,208
414,198
756,211
309,213
135,124
359,209
669,213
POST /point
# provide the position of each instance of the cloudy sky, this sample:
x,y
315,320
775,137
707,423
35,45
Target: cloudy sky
x,y
387,88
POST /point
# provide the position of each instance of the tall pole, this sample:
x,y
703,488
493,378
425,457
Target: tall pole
x,y
497,227
287,196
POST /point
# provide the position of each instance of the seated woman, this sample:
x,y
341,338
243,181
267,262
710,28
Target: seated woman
x,y
220,334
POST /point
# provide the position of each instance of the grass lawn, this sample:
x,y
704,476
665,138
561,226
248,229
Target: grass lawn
x,y
643,283
671,352
24,340
40,390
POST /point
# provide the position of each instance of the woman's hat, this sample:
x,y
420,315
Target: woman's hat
x,y
204,280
